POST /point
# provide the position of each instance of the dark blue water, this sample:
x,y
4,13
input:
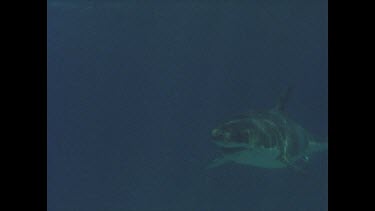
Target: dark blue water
x,y
135,87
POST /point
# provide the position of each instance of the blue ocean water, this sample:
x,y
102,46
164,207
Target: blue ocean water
x,y
135,88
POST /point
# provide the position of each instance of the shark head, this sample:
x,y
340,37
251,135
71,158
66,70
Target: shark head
x,y
245,142
248,132
233,134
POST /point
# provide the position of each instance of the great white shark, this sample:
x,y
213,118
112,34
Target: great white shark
x,y
266,139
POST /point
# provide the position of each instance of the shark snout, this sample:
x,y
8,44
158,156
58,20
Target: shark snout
x,y
216,134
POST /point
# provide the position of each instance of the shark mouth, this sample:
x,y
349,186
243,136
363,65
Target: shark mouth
x,y
230,144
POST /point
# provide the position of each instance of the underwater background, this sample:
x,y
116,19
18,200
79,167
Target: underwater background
x,y
135,88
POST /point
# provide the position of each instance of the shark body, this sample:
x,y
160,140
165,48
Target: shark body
x,y
267,139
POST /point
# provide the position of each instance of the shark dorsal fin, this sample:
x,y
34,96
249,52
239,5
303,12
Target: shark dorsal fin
x,y
280,105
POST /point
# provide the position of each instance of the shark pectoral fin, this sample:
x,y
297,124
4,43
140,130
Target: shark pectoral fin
x,y
218,162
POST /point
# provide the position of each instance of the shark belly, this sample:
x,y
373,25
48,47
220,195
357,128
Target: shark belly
x,y
265,158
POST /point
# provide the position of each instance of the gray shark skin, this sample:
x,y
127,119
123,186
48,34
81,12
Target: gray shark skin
x,y
266,139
